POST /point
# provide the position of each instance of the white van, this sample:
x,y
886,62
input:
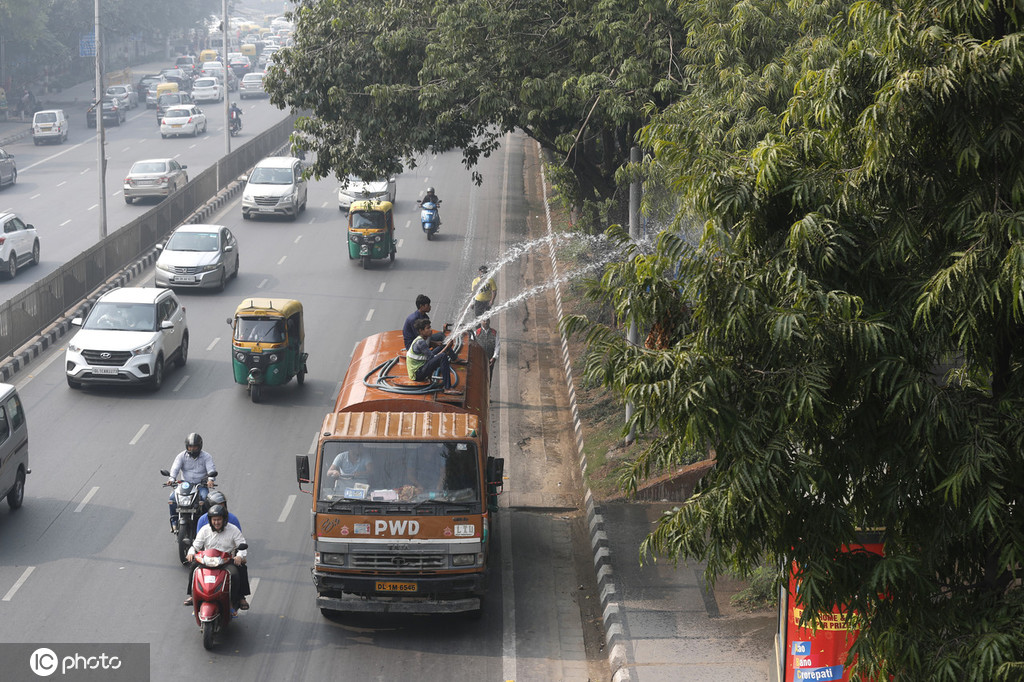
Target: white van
x,y
49,124
13,447
275,187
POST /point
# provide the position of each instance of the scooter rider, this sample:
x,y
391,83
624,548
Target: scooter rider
x,y
225,537
193,464
214,498
432,198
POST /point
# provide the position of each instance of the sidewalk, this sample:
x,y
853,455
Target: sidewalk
x,y
661,622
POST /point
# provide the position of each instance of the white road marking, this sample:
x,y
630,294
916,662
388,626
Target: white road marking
x,y
62,183
400,242
35,196
324,205
369,315
287,509
138,435
181,383
408,223
94,206
381,289
19,583
65,222
282,260
127,149
213,343
39,370
253,585
116,193
297,239
85,500
54,156
82,173
261,284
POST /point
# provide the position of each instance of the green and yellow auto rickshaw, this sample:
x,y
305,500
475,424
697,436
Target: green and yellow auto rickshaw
x,y
371,231
267,343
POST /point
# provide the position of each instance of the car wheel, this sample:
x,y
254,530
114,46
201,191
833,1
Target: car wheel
x,y
12,265
35,142
158,375
128,200
17,494
183,355
223,280
14,176
74,384
163,136
35,253
245,216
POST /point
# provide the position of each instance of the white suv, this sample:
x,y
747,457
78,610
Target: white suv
x,y
128,338
19,244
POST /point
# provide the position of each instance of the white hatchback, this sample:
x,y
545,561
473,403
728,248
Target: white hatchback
x,y
183,120
207,89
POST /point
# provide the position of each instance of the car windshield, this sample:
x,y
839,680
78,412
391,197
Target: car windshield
x,y
170,99
262,329
368,220
46,117
253,78
149,167
205,83
193,241
271,176
111,316
178,113
399,472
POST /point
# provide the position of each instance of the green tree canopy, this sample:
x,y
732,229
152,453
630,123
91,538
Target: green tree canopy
x,y
388,80
851,350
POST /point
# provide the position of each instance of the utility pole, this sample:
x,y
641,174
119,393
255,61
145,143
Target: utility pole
x,y
101,152
634,234
227,119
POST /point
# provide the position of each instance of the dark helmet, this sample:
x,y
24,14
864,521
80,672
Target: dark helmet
x,y
216,497
234,105
194,444
483,268
218,510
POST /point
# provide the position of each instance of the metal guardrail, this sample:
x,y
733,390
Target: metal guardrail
x,y
28,313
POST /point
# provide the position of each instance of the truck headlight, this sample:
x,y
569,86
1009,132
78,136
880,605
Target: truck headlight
x,y
466,559
330,558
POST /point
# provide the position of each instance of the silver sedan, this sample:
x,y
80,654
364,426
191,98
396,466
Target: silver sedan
x,y
154,178
197,257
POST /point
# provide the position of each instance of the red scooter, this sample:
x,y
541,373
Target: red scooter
x,y
211,593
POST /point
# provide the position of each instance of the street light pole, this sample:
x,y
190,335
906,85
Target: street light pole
x,y
227,119
101,159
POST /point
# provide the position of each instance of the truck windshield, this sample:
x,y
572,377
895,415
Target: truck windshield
x,y
399,473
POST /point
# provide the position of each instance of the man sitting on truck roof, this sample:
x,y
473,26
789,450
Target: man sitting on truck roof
x,y
421,360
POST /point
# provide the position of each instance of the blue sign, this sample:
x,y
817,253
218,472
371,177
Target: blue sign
x,y
87,45
834,672
801,649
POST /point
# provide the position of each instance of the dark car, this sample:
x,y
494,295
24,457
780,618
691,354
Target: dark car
x,y
240,64
147,88
171,99
178,76
114,112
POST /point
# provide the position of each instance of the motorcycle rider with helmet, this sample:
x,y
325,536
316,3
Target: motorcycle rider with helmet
x,y
235,116
193,464
224,536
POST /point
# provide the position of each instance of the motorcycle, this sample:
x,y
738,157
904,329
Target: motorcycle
x,y
211,593
190,508
430,219
235,125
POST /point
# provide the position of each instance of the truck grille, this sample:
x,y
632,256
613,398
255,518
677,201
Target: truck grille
x,y
400,562
109,358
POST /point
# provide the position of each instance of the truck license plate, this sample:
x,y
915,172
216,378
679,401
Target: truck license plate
x,y
394,587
